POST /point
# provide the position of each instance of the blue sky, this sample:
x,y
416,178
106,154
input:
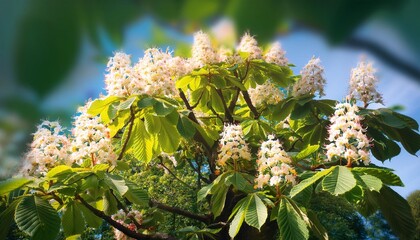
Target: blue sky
x,y
86,81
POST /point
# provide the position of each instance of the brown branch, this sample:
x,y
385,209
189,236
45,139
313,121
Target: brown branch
x,y
216,114
250,105
130,129
202,218
198,137
227,112
234,100
121,227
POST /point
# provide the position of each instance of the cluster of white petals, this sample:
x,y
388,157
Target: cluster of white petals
x,y
249,45
154,74
347,136
202,50
274,164
312,79
363,83
91,140
232,146
119,76
49,148
125,219
276,55
266,93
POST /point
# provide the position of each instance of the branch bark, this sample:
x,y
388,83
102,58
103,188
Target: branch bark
x,y
202,218
250,105
121,227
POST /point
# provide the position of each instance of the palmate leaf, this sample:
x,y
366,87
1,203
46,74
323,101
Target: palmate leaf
x,y
141,143
291,224
37,218
339,181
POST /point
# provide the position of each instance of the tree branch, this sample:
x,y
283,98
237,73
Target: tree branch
x,y
121,227
234,100
202,218
250,105
386,56
227,113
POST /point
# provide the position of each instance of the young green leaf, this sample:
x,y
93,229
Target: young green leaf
x,y
339,181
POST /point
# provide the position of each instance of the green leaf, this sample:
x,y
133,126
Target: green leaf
x,y
290,223
282,111
163,108
116,183
11,184
136,195
141,143
72,220
203,192
7,218
219,191
385,175
368,181
127,103
339,181
58,171
91,219
152,123
37,218
309,181
168,137
256,212
316,226
185,127
396,211
110,205
216,101
239,182
237,221
119,122
100,105
307,151
184,82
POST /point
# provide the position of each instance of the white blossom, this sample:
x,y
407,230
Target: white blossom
x,y
91,139
363,83
276,55
202,50
311,80
233,147
49,148
266,93
119,76
347,136
274,164
249,45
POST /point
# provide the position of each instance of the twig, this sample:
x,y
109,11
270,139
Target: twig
x,y
202,218
227,112
130,129
121,227
173,174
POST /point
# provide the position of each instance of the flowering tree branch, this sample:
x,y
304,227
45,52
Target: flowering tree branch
x,y
250,105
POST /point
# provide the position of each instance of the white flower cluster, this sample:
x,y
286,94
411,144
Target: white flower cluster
x,y
119,75
154,74
202,50
232,145
363,83
49,148
126,220
249,45
276,55
347,136
274,164
312,79
266,93
91,140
